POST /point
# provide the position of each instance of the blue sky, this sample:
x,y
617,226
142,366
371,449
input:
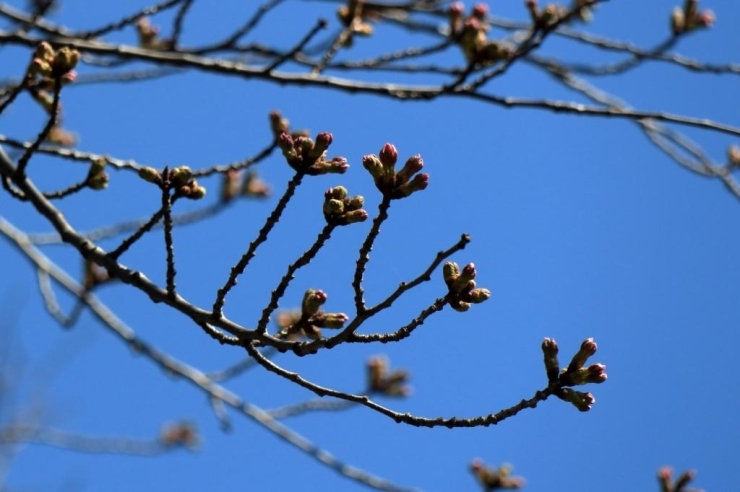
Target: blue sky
x,y
581,228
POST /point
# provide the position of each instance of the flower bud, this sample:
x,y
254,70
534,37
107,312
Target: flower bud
x,y
65,60
354,216
338,192
412,166
149,174
479,295
588,348
733,155
552,366
388,155
420,182
180,175
333,207
355,203
98,181
450,272
278,124
330,320
312,301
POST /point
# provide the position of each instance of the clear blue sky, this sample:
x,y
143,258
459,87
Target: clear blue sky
x,y
581,228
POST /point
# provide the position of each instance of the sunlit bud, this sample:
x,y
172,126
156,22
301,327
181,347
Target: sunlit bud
x,y
286,144
338,192
354,216
180,175
337,165
149,174
450,272
582,401
388,155
65,60
312,301
467,274
588,348
460,306
330,320
678,21
97,165
196,192
374,166
44,51
552,366
333,207
479,295
355,203
412,166
98,181
278,124
420,182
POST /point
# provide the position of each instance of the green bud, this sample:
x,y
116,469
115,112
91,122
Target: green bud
x,y
588,348
149,174
330,320
338,192
552,366
333,207
413,165
312,301
98,181
355,216
479,295
420,182
355,203
65,60
180,176
450,272
460,306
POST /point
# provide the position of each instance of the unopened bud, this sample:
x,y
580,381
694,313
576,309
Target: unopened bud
x,y
312,301
149,174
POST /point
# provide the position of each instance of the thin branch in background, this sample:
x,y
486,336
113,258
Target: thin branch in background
x,y
44,134
114,230
70,190
239,368
126,21
320,25
248,26
310,406
197,378
31,434
50,301
241,265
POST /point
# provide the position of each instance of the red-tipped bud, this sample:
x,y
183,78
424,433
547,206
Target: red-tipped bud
x,y
388,156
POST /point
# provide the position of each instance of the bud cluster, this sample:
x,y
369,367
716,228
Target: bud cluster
x,y
236,184
179,179
575,374
310,319
689,18
97,178
461,284
309,156
394,184
470,33
48,65
491,478
381,380
341,209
